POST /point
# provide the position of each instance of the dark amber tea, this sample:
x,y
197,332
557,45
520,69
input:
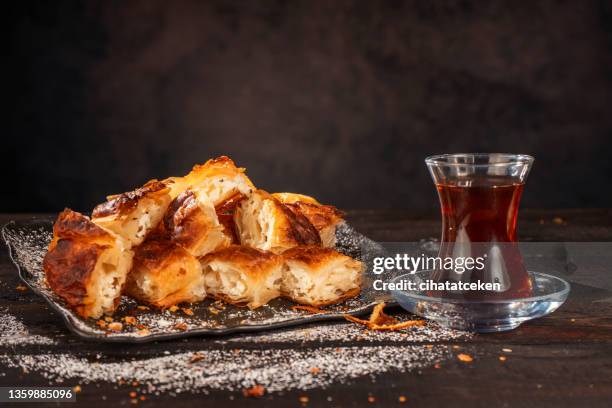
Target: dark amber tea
x,y
479,282
479,220
482,209
479,198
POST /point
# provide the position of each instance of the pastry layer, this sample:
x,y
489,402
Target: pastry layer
x,y
243,275
263,222
165,274
319,276
86,265
192,223
134,214
325,218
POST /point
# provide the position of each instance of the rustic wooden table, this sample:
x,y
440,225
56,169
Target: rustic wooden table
x,y
564,359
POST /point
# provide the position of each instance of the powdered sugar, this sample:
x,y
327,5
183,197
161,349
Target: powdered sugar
x,y
345,332
234,370
15,333
322,357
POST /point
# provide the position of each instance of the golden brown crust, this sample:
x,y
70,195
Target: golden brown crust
x,y
221,166
254,262
68,268
288,198
298,228
319,215
292,227
321,264
225,214
71,224
243,276
181,219
218,165
193,224
121,204
155,255
165,274
313,256
72,256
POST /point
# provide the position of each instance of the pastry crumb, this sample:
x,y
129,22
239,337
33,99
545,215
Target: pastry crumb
x,y
196,357
255,391
380,321
130,320
466,358
115,326
182,326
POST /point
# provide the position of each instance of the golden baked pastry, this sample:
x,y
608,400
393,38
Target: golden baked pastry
x,y
318,276
290,198
225,214
210,231
216,180
243,275
265,223
134,214
86,265
325,218
192,223
165,274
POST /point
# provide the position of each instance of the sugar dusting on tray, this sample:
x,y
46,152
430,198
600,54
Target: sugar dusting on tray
x,y
322,358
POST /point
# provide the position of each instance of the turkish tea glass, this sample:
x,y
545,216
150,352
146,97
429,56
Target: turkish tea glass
x,y
479,197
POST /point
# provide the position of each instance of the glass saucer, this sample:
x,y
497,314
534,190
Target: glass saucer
x,y
484,316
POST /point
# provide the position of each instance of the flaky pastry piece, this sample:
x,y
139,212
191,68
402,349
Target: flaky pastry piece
x,y
192,223
318,276
86,265
165,274
265,223
217,180
225,214
325,218
134,214
290,198
243,275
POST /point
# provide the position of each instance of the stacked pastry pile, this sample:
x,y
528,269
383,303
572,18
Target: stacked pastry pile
x,y
209,233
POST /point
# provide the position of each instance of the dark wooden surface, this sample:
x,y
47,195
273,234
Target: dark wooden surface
x,y
564,359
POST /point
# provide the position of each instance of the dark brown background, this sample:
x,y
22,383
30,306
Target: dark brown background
x,y
341,99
